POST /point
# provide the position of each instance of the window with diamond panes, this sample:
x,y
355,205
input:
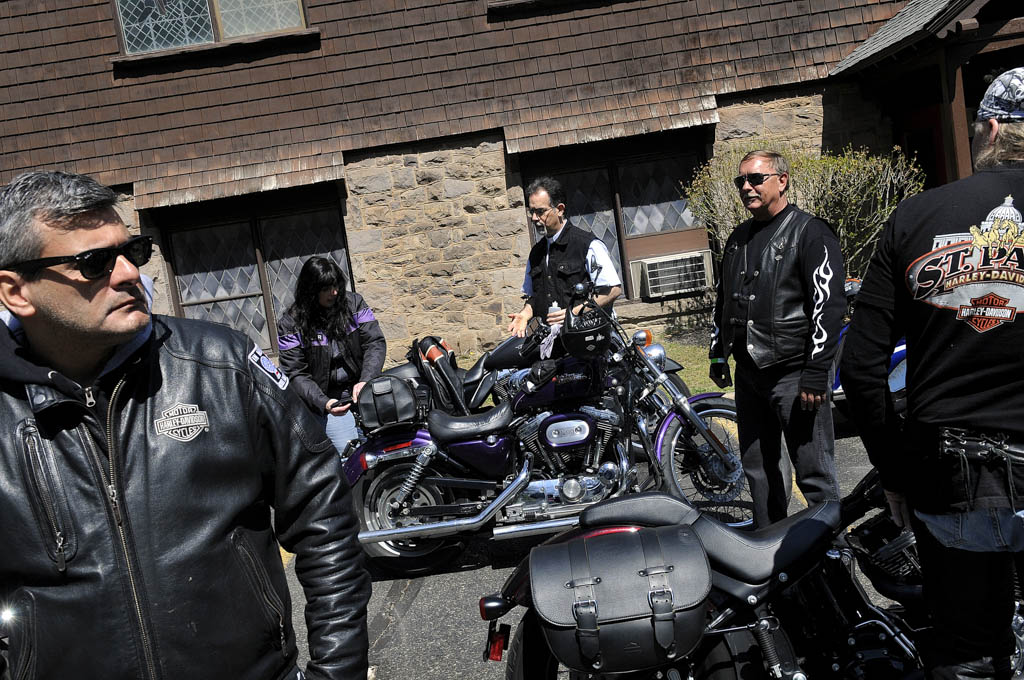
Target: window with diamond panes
x,y
652,201
154,25
289,241
151,25
251,17
219,280
243,274
589,206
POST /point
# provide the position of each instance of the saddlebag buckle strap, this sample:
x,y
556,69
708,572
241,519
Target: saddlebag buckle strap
x,y
584,608
659,595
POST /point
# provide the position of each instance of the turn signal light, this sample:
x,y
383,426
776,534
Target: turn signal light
x,y
643,338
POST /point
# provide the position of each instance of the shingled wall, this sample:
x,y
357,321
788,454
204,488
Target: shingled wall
x,y
210,122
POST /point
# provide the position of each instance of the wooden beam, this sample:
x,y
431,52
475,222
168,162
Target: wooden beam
x,y
955,112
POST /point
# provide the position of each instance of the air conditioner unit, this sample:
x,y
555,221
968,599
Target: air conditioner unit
x,y
657,277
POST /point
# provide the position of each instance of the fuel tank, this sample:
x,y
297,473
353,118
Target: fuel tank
x,y
574,380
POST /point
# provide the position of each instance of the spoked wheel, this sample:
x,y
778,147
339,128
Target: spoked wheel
x,y
693,471
378,508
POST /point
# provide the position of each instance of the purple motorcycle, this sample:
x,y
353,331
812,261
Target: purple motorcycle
x,y
599,419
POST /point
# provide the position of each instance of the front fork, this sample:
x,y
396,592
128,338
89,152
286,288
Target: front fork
x,y
682,406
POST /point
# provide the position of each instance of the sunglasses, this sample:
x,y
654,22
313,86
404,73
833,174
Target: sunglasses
x,y
754,178
96,263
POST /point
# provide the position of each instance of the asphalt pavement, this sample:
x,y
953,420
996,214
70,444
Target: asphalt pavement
x,y
429,627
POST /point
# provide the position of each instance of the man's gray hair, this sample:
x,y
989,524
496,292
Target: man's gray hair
x,y
51,197
775,159
1008,146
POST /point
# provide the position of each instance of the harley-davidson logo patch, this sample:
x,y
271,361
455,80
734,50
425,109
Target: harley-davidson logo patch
x,y
986,312
183,422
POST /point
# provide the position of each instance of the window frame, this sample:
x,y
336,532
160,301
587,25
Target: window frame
x,y
249,209
219,40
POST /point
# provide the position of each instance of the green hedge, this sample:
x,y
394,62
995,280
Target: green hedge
x,y
854,191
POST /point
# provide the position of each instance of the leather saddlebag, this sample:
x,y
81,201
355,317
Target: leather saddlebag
x,y
623,601
386,400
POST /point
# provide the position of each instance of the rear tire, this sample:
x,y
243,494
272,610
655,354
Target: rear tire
x,y
408,557
690,471
528,656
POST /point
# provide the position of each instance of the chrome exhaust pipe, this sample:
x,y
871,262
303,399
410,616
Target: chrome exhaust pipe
x,y
534,528
453,526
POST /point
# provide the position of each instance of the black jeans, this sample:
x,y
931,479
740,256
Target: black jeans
x,y
970,598
768,408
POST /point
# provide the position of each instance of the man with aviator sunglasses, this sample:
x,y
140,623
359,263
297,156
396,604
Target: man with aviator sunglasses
x,y
778,313
140,462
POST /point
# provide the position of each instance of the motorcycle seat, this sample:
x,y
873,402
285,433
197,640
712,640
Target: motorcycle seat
x,y
651,509
476,373
445,428
754,557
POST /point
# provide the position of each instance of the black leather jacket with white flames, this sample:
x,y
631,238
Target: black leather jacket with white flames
x,y
137,527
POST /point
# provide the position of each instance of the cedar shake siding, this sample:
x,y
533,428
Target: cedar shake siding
x,y
279,111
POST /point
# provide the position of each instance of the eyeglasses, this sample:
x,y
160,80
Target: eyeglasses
x,y
538,212
755,178
96,263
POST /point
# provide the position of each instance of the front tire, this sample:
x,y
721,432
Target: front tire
x,y
692,471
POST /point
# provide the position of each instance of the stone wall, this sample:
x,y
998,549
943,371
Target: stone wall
x,y
824,117
438,238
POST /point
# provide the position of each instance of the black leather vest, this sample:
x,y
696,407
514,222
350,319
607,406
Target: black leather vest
x,y
565,267
777,323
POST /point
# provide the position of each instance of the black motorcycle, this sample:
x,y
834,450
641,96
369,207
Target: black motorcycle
x,y
568,432
648,587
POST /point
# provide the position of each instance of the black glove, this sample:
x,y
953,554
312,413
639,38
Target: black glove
x,y
720,374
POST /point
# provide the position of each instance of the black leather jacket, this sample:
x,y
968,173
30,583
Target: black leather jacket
x,y
793,299
139,542
308,361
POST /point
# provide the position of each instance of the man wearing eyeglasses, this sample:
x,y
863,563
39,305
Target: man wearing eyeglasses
x,y
564,256
778,312
141,458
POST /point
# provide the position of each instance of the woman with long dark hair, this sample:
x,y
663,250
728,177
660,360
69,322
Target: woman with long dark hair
x,y
331,345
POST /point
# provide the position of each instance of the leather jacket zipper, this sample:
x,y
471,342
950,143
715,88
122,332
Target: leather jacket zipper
x,y
265,588
37,469
109,477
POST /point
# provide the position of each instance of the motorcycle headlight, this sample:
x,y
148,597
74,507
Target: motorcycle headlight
x,y
656,353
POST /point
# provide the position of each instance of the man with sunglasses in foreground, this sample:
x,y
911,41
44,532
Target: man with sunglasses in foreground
x,y
141,458
778,312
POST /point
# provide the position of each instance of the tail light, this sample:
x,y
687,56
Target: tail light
x,y
497,641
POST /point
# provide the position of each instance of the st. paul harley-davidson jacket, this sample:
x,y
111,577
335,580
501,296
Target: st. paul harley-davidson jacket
x,y
137,533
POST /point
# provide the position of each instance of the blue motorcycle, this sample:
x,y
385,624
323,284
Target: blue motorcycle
x,y
897,374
